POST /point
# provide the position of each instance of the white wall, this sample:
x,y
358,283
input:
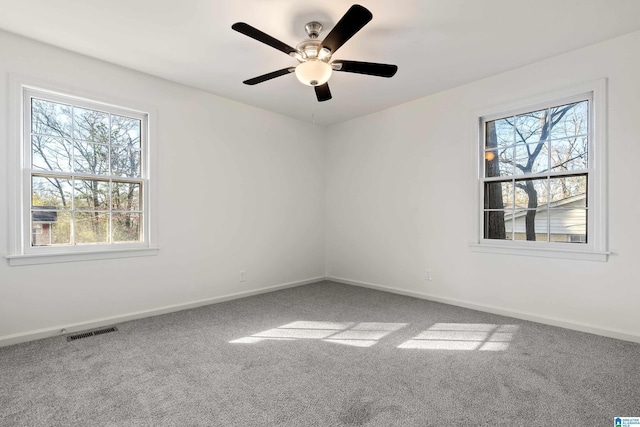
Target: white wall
x,y
238,189
396,206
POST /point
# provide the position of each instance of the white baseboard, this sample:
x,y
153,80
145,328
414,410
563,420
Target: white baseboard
x,y
107,321
562,323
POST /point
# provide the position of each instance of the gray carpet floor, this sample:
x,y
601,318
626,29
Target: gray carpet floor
x,y
324,354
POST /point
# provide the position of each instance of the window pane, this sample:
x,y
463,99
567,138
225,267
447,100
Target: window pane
x,y
531,193
125,130
91,158
530,127
498,195
491,163
531,158
126,227
500,133
125,196
55,192
569,191
54,227
569,154
91,195
50,118
568,225
497,225
570,120
91,227
499,162
48,153
531,224
91,125
125,161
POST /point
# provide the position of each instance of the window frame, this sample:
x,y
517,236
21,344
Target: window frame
x,y
596,247
22,252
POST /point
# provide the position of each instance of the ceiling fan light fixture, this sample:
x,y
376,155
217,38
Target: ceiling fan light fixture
x,y
313,72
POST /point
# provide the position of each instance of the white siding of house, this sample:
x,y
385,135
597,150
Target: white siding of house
x,y
561,221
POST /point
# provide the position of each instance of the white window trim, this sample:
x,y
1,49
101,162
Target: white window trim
x,y
597,249
20,252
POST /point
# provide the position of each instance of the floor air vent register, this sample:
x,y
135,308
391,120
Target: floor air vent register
x,y
91,333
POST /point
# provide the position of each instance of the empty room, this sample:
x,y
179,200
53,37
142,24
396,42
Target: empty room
x,y
319,213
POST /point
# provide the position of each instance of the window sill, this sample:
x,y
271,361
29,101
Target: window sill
x,y
50,258
541,252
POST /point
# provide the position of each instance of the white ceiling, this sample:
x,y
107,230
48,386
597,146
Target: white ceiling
x,y
437,44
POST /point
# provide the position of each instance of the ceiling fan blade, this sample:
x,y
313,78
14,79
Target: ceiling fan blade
x,y
322,92
356,17
371,68
265,38
269,76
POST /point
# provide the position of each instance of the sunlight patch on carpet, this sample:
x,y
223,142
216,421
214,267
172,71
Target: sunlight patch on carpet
x,y
440,336
463,336
363,334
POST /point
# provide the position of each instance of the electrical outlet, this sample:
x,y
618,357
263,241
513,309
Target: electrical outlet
x,y
427,274
243,276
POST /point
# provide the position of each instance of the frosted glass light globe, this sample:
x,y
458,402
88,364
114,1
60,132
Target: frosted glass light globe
x,y
313,72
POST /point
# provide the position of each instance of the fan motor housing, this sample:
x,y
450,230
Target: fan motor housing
x,y
312,48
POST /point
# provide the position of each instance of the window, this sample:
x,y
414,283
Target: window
x,y
85,177
540,187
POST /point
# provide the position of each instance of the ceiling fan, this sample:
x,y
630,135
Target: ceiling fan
x,y
315,56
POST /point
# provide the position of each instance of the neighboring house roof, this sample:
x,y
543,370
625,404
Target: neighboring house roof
x,y
47,214
564,203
